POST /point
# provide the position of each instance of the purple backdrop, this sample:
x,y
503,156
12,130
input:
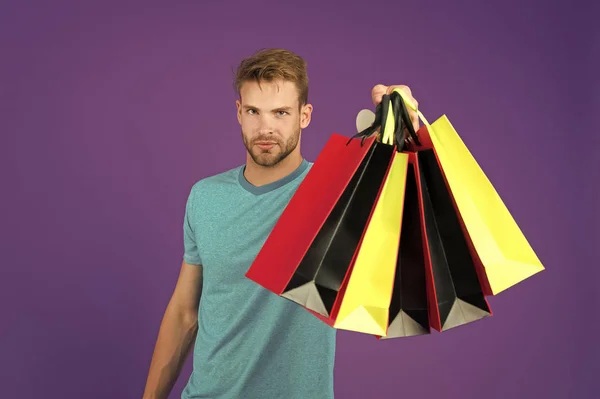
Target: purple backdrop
x,y
110,112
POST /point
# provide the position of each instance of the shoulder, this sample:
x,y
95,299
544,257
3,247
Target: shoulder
x,y
211,184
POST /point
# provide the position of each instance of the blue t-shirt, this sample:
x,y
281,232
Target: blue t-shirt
x,y
251,343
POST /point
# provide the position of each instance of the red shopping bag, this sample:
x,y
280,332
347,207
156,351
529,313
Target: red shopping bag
x,y
307,211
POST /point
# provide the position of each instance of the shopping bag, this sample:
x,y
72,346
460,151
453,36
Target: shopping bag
x,y
322,274
501,249
505,254
344,176
437,284
318,278
363,305
366,301
306,212
456,295
408,310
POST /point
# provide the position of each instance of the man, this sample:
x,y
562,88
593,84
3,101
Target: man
x,y
248,342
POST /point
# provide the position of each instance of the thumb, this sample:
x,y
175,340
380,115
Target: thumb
x,y
378,92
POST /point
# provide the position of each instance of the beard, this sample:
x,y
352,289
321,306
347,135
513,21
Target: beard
x,y
274,155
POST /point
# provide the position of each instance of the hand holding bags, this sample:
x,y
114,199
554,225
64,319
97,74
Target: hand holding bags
x,y
394,232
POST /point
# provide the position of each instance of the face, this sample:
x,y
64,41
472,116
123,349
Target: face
x,y
271,120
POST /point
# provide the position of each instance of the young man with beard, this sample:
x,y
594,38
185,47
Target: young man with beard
x,y
248,342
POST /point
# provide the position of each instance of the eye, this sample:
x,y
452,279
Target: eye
x,y
282,113
251,111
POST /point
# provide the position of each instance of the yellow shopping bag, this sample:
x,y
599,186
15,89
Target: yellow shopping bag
x,y
502,248
366,301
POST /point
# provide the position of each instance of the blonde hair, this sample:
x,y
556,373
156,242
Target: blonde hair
x,y
274,64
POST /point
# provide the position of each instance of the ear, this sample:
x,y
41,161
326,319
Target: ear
x,y
305,116
238,105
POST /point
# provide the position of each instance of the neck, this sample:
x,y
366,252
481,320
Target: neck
x,y
260,175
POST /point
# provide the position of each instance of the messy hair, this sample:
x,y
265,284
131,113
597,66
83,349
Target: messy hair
x,y
273,64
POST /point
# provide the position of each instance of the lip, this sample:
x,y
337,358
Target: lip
x,y
265,145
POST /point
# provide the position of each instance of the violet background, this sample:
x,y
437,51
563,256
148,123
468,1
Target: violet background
x,y
111,110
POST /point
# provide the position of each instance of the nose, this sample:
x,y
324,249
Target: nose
x,y
265,125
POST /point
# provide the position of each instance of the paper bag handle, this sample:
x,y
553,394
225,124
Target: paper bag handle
x,y
400,112
390,126
412,106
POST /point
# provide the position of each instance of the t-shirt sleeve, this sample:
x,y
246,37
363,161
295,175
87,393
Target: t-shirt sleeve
x,y
191,254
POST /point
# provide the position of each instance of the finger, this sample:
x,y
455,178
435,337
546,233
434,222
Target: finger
x,y
379,90
377,93
403,88
406,93
414,118
414,115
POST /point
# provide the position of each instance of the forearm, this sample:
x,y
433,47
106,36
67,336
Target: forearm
x,y
175,339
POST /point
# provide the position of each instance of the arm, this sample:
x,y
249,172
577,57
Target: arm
x,y
177,333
